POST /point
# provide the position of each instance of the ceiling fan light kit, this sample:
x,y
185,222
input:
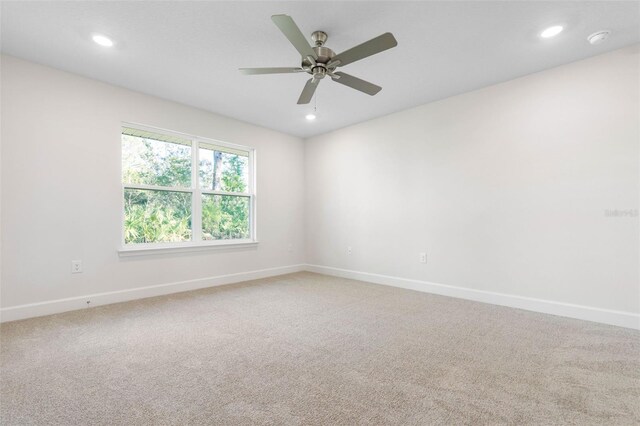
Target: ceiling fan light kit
x,y
320,61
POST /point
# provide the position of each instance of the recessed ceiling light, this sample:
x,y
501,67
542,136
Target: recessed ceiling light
x,y
598,37
310,117
552,31
103,41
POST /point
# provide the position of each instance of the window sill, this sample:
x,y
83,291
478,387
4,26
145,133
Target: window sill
x,y
153,249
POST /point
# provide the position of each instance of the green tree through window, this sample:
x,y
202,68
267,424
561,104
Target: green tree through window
x,y
160,197
224,216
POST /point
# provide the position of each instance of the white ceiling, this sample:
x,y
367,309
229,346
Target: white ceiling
x,y
189,52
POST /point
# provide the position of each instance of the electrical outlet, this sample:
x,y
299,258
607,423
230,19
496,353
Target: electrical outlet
x,y
76,266
423,257
290,248
349,250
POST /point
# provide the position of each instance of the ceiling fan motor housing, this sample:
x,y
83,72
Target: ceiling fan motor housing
x,y
324,56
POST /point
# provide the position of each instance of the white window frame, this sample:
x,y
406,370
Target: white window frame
x,y
196,243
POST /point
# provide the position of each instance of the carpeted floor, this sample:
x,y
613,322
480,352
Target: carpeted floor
x,y
308,349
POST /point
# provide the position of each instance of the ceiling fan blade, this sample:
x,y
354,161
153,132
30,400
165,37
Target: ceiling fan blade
x,y
254,71
294,35
366,49
356,83
308,91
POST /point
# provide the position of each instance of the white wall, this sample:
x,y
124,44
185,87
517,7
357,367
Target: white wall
x,y
505,188
61,188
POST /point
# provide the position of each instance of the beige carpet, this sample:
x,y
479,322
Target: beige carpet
x,y
307,349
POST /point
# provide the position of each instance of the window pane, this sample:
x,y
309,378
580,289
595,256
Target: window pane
x,y
154,162
224,171
225,217
156,216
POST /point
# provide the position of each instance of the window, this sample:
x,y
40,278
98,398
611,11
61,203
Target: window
x,y
180,190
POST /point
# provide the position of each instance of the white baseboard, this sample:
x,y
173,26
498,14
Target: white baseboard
x,y
587,313
605,316
14,313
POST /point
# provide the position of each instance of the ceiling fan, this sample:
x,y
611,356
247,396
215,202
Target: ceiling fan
x,y
320,61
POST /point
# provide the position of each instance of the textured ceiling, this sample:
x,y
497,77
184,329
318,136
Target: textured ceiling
x,y
189,52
